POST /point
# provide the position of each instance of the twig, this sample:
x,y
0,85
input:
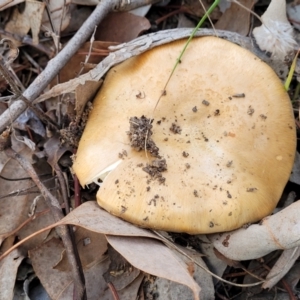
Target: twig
x,y
113,291
63,186
63,231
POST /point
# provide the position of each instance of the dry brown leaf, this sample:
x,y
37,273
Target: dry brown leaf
x,y
121,27
91,247
59,284
155,258
90,216
236,18
29,19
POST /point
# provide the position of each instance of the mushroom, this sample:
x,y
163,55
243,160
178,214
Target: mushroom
x,y
224,130
276,34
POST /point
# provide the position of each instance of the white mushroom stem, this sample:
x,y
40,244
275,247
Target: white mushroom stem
x,y
275,35
278,232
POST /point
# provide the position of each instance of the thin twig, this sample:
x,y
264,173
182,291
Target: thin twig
x,y
113,291
63,187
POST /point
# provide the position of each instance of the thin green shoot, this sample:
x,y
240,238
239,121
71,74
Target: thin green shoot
x,y
291,72
208,12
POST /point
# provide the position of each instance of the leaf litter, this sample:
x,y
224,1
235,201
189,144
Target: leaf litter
x,y
140,251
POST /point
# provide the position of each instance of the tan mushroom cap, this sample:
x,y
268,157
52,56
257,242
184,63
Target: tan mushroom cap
x,y
239,151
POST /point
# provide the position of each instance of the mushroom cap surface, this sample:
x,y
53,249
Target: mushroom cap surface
x,y
230,162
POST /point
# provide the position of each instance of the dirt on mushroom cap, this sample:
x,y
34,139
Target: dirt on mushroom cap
x,y
238,161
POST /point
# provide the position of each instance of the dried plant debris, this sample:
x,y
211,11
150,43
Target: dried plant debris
x,y
156,168
175,128
72,134
140,133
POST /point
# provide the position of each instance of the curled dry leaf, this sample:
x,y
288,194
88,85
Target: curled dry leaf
x,y
276,232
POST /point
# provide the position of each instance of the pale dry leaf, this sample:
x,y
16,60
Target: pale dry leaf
x,y
277,232
4,4
29,19
60,15
155,258
90,216
9,268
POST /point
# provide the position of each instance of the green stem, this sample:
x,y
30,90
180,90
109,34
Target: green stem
x,y
291,73
208,12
